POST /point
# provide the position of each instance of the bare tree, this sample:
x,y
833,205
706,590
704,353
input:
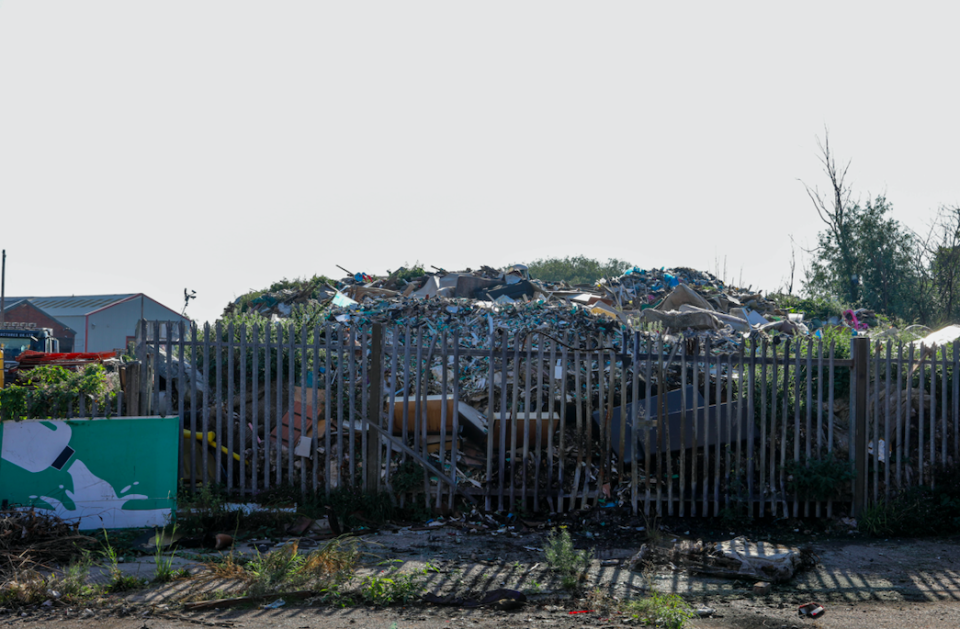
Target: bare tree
x,y
793,263
833,208
938,264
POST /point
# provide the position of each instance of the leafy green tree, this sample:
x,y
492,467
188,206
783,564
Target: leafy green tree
x,y
576,269
879,252
864,256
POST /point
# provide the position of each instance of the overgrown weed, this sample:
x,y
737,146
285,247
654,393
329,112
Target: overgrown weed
x,y
286,568
30,587
164,563
918,511
564,559
119,582
659,610
391,588
818,479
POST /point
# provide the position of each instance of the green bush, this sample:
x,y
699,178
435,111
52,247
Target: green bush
x,y
232,328
313,286
52,391
576,269
816,310
563,559
405,275
918,511
391,587
660,610
818,479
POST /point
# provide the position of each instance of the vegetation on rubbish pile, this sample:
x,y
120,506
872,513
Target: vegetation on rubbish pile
x,y
932,509
52,391
817,310
288,569
254,364
29,583
576,269
407,273
668,611
311,288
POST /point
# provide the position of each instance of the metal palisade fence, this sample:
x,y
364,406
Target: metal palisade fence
x,y
668,425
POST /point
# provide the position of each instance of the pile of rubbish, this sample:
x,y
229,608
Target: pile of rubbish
x,y
737,558
488,307
74,361
476,302
31,538
491,308
681,302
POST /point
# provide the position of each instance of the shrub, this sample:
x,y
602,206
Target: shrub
x,y
563,559
660,610
52,391
818,479
918,511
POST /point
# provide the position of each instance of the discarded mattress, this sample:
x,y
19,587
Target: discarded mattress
x,y
721,425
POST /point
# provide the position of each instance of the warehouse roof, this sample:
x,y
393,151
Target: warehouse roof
x,y
73,305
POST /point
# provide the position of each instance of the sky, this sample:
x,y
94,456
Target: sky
x,y
221,146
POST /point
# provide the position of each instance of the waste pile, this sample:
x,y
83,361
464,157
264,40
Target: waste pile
x,y
74,361
737,558
425,313
487,308
30,538
679,301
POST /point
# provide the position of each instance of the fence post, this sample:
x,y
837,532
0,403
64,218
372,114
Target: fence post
x,y
371,458
861,354
132,388
143,395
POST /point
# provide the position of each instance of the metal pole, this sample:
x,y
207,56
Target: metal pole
x,y
861,354
371,457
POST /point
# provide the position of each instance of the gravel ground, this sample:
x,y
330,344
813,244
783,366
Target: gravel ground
x,y
861,583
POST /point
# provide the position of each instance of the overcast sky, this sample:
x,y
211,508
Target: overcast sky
x,y
220,146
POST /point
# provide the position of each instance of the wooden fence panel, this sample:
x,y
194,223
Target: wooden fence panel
x,y
284,406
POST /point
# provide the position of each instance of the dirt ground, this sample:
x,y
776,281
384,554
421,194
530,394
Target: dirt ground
x,y
735,614
860,582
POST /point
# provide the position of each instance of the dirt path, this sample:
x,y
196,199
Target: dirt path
x,y
866,615
861,583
